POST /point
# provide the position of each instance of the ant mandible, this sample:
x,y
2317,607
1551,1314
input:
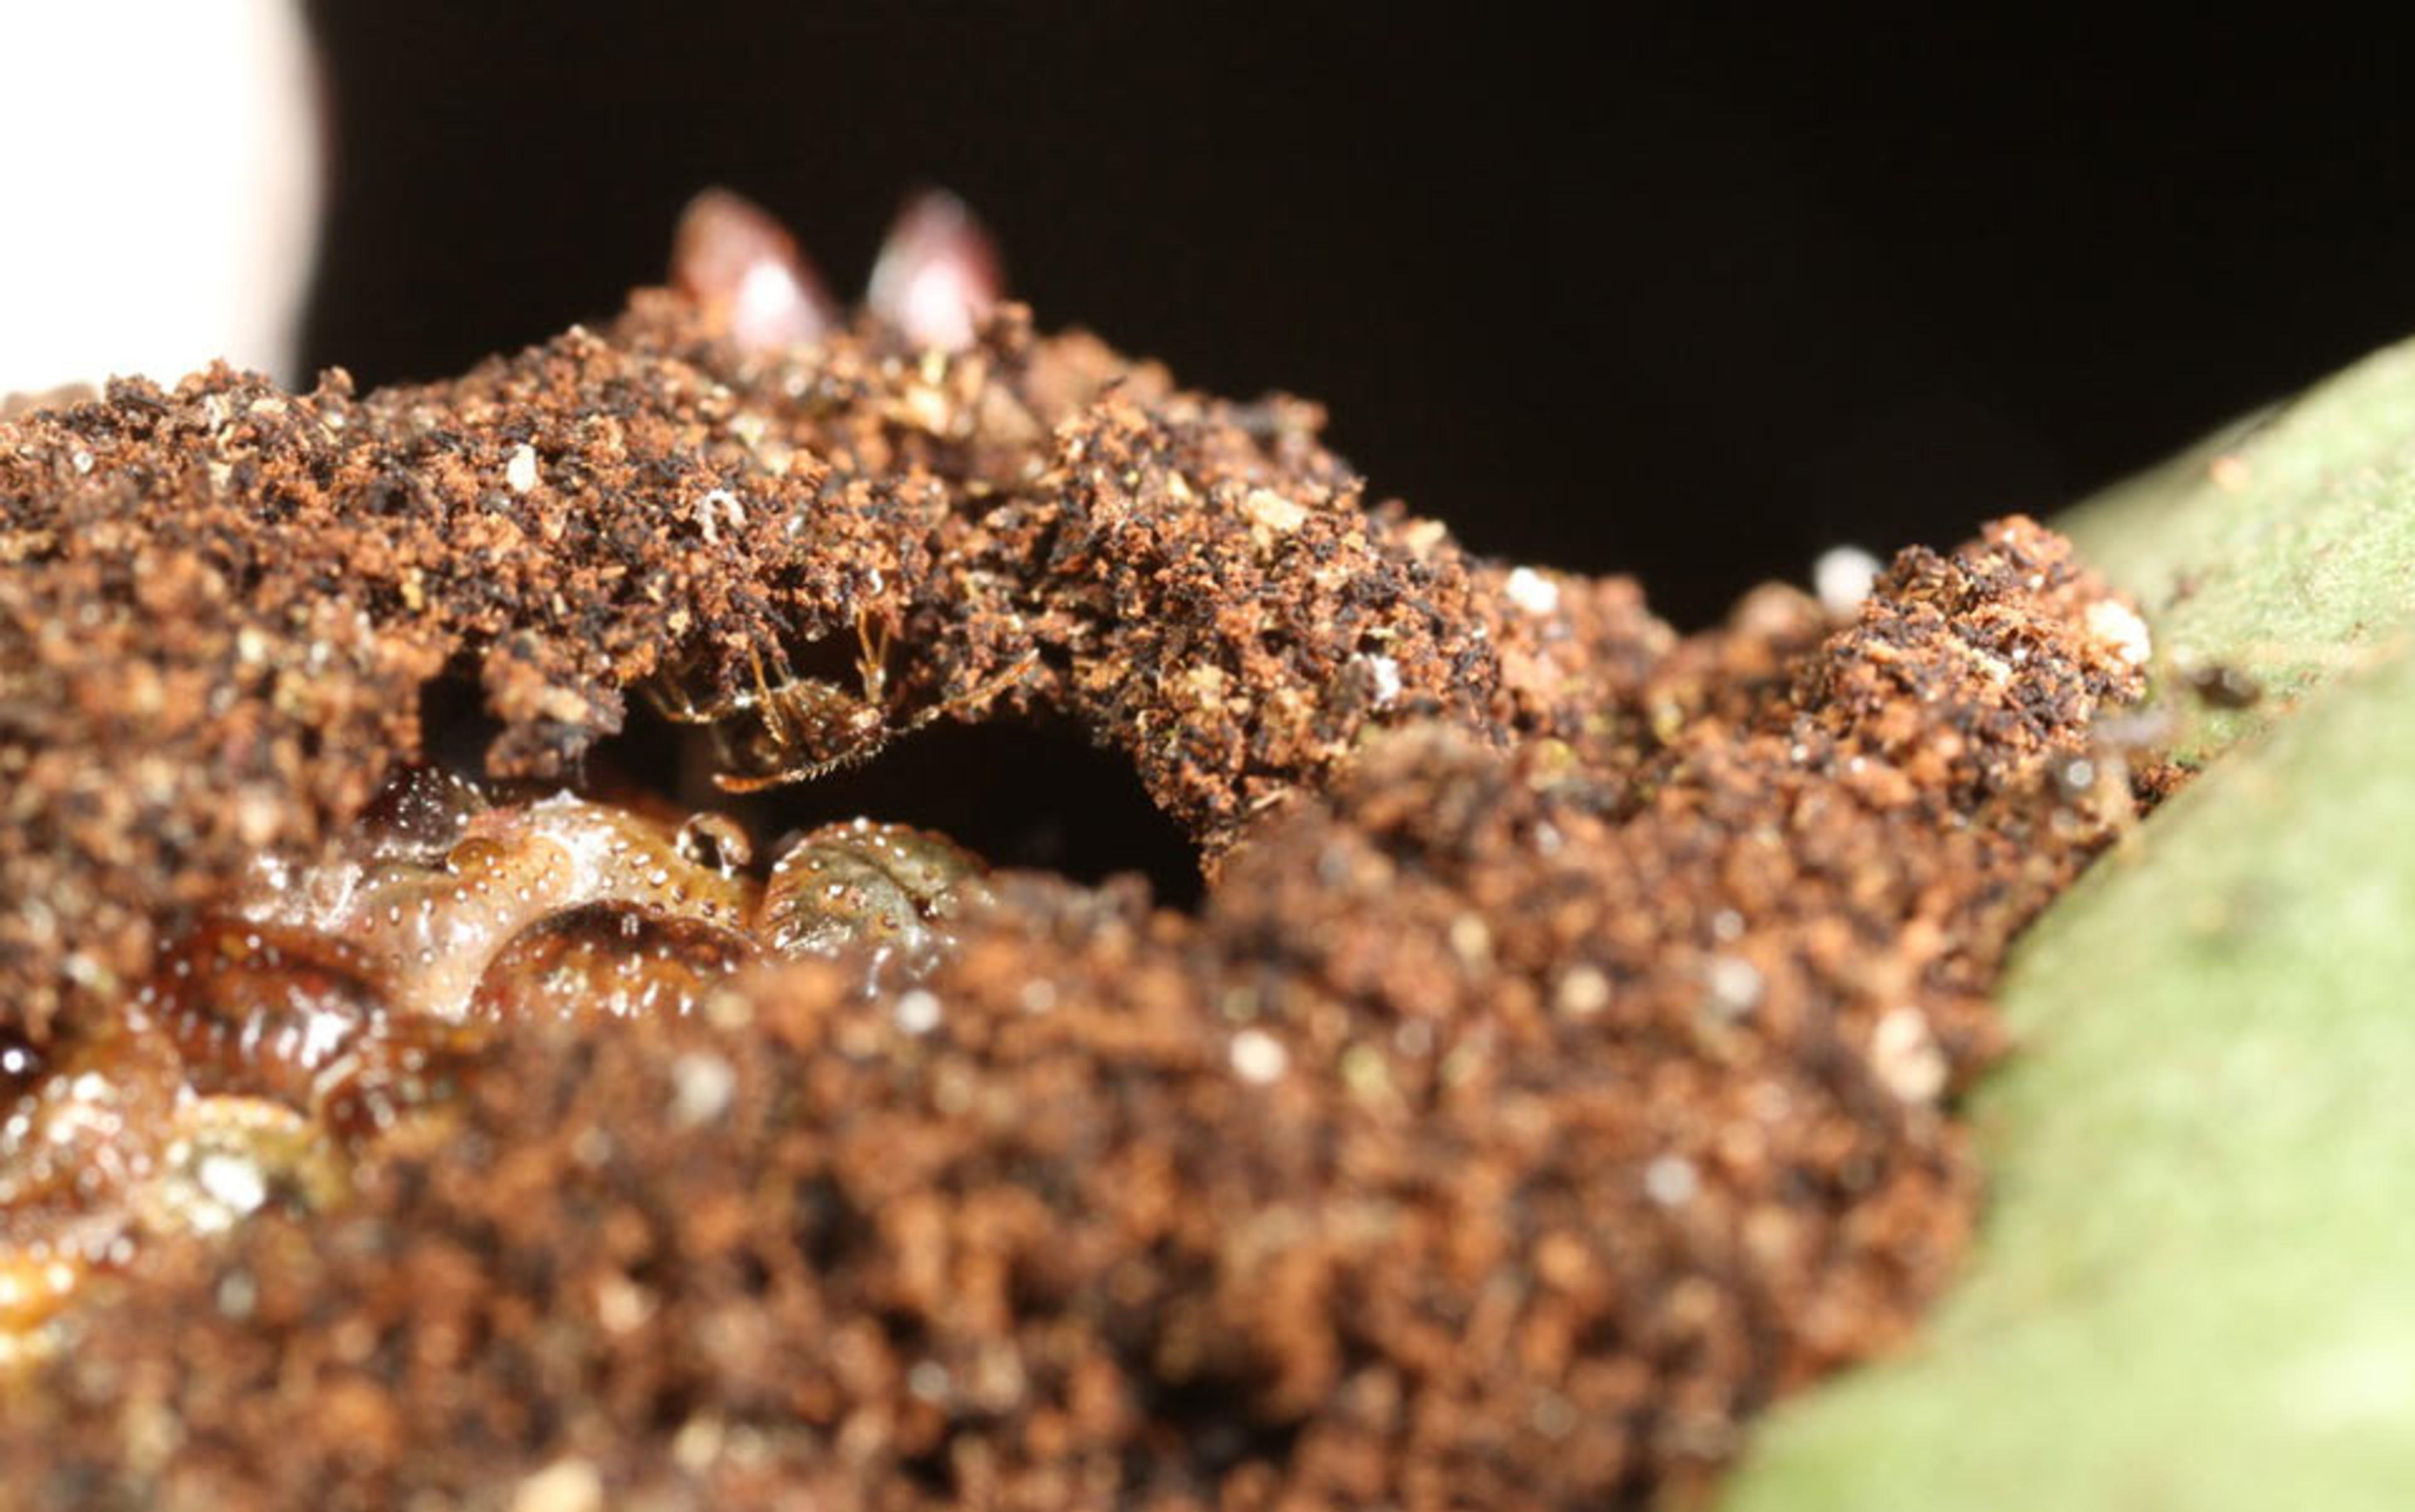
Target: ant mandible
x,y
793,729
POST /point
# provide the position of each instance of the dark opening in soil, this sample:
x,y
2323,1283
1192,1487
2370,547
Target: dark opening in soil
x,y
1213,1429
1023,793
1018,794
455,728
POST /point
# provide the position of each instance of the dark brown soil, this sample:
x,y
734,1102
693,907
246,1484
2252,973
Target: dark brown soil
x,y
1558,1068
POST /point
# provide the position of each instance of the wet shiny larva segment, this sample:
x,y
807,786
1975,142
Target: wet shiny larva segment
x,y
74,1144
227,1157
422,813
716,841
75,1150
34,1287
264,1009
121,1160
885,890
275,1012
604,962
410,1066
429,929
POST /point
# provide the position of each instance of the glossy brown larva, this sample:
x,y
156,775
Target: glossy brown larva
x,y
608,961
884,892
326,1007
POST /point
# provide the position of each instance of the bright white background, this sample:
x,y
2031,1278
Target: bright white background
x,y
162,191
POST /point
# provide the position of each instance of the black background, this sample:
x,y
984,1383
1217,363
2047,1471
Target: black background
x,y
1693,296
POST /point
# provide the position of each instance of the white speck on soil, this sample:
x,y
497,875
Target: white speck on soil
x,y
1841,579
1259,1057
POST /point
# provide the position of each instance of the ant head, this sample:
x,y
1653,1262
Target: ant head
x,y
803,729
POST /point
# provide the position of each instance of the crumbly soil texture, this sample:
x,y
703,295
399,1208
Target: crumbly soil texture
x,y
1557,1068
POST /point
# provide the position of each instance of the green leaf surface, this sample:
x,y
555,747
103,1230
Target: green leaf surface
x,y
2195,1286
2283,546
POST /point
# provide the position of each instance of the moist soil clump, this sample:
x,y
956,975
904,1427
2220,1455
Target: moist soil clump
x,y
1557,1068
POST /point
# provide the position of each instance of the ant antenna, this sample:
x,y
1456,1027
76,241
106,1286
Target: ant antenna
x,y
978,693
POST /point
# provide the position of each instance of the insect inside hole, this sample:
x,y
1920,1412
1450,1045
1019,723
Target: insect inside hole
x,y
789,728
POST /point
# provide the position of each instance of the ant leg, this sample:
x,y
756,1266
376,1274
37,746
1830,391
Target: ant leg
x,y
774,715
659,700
871,655
670,698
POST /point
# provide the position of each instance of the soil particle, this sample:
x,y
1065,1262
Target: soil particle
x,y
1558,1069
